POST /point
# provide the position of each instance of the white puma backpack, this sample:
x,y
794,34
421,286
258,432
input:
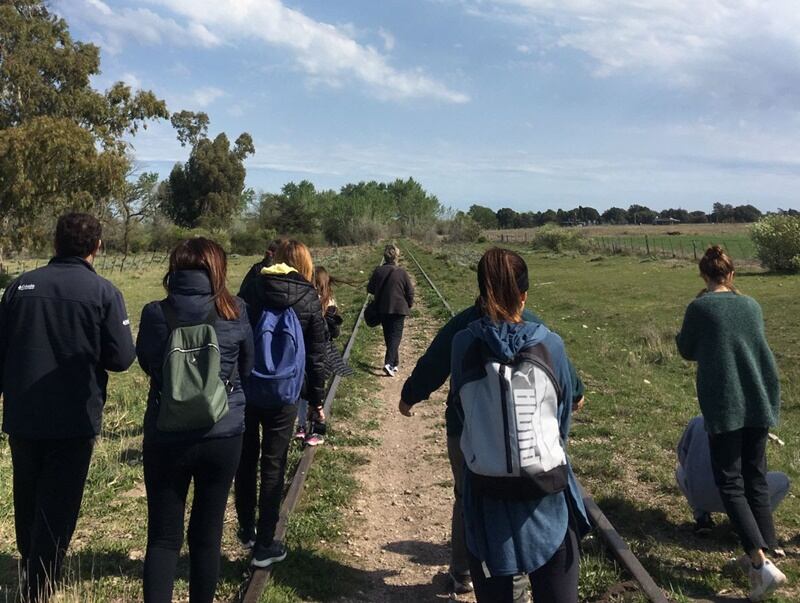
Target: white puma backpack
x,y
511,439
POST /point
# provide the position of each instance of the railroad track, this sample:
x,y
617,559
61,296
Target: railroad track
x,y
613,541
257,580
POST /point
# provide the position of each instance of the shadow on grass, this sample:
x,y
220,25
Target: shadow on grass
x,y
303,568
376,371
634,522
92,565
9,578
640,526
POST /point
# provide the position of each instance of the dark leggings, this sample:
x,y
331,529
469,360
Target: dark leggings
x,y
268,432
392,335
739,464
168,470
555,582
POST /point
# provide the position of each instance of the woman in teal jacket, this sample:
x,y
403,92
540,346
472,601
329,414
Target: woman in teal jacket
x,y
533,535
739,394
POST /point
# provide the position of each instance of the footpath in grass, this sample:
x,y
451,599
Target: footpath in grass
x,y
105,562
618,317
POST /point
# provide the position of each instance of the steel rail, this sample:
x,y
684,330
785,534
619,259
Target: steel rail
x,y
259,578
619,548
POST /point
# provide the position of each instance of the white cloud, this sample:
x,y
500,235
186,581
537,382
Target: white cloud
x,y
325,52
116,27
132,80
388,38
203,97
726,48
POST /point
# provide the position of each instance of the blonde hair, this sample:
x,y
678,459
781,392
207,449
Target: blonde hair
x,y
322,282
296,254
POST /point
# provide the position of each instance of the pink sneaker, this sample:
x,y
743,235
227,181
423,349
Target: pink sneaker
x,y
314,439
300,434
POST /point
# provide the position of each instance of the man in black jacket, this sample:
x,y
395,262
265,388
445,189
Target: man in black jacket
x,y
61,328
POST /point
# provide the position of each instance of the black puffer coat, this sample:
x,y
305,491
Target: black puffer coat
x,y
279,290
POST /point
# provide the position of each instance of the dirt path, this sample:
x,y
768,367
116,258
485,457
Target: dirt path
x,y
399,528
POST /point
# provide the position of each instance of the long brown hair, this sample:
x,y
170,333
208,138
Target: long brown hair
x,y
296,254
200,253
717,267
322,281
502,279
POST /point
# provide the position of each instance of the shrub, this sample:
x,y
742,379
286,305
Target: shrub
x,y
463,229
5,279
352,230
558,239
251,242
167,237
777,241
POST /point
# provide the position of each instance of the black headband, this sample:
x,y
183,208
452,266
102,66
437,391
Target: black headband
x,y
522,281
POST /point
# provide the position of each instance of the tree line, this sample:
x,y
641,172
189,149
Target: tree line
x,y
66,146
635,214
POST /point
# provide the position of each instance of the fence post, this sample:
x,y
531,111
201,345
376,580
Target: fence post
x,y
694,246
647,244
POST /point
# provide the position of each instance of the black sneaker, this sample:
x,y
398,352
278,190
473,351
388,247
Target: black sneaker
x,y
703,526
459,585
264,556
247,536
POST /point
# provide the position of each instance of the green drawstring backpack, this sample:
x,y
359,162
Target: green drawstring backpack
x,y
192,396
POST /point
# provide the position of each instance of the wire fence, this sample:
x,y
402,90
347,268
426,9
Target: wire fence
x,y
685,247
106,264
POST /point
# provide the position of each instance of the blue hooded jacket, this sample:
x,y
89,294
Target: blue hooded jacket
x,y
514,537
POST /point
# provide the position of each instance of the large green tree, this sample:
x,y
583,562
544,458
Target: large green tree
x,y
417,211
62,143
209,189
485,216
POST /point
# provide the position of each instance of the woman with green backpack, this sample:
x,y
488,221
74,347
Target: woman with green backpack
x,y
196,346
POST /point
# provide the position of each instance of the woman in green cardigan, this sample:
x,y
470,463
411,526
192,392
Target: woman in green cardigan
x,y
739,395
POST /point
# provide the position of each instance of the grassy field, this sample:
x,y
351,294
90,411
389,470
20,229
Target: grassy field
x,y
105,562
678,240
618,316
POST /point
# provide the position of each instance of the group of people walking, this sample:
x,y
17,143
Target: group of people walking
x,y
228,374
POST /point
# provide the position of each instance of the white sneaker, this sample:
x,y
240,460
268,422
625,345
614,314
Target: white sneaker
x,y
387,368
764,580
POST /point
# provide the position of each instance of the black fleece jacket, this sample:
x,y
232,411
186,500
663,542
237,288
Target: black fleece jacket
x,y
291,290
61,328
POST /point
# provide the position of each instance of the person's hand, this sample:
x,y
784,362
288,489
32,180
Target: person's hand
x,y
578,405
405,409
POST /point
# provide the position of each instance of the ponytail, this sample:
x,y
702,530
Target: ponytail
x,y
502,280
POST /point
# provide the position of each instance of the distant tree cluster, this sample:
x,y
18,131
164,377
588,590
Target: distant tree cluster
x,y
635,214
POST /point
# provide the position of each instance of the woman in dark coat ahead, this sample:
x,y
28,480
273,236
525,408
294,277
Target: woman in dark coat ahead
x,y
394,297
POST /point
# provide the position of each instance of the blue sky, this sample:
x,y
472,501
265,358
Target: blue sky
x,y
529,104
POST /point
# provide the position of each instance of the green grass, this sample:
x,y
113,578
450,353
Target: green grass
x,y
618,317
105,561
